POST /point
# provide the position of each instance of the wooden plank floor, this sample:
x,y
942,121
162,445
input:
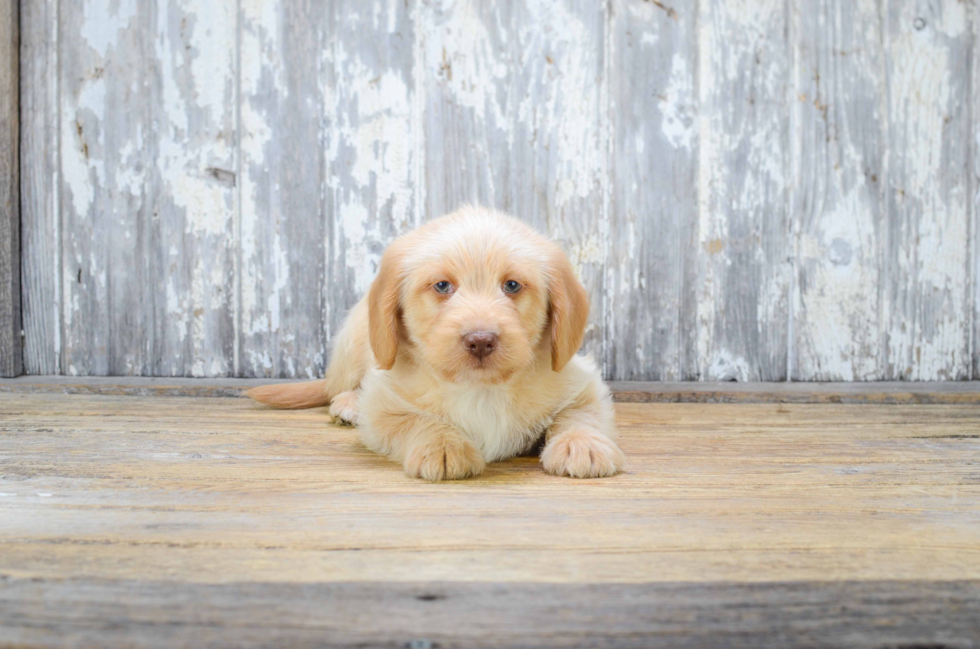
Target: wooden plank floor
x,y
153,521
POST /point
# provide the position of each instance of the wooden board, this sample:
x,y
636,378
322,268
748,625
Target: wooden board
x,y
850,524
837,309
283,226
744,159
650,312
10,313
190,200
40,189
897,392
926,184
148,145
974,185
162,613
103,189
751,191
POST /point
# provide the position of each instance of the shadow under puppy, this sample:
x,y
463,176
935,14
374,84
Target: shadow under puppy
x,y
464,352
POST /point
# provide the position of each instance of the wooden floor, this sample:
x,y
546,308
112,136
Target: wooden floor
x,y
173,521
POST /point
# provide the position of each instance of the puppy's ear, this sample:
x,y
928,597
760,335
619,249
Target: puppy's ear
x,y
383,309
569,310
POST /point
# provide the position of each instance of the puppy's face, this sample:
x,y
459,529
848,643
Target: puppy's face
x,y
476,296
475,309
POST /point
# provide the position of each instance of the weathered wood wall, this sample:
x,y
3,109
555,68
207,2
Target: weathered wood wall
x,y
11,358
750,189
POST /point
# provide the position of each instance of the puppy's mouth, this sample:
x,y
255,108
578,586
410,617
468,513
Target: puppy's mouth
x,y
491,369
481,365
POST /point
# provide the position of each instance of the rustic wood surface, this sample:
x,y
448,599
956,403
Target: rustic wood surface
x,y
842,223
151,521
147,136
927,180
11,357
109,613
40,188
742,292
650,318
974,191
282,269
895,392
749,190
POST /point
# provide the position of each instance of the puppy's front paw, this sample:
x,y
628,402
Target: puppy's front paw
x,y
343,408
582,453
448,458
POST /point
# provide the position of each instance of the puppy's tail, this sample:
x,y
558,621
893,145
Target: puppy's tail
x,y
292,396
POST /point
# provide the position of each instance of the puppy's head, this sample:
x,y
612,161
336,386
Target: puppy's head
x,y
474,295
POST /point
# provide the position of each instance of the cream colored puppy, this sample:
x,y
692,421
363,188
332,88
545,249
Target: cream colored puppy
x,y
463,353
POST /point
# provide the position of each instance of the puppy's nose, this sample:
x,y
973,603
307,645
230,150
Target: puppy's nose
x,y
480,343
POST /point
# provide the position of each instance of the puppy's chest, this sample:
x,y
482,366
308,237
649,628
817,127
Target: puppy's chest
x,y
488,417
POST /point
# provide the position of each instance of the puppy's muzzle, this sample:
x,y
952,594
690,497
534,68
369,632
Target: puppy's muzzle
x,y
480,343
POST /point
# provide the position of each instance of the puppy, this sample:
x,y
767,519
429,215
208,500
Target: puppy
x,y
463,353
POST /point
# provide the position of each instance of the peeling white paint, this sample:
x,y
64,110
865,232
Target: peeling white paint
x,y
587,251
261,283
525,104
931,341
102,22
373,151
679,124
742,187
726,366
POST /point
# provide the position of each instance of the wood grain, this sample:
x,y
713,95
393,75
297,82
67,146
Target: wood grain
x,y
11,358
805,614
650,309
927,258
104,185
749,190
147,145
743,230
373,144
205,489
840,223
40,188
894,392
974,191
214,517
885,392
189,239
283,220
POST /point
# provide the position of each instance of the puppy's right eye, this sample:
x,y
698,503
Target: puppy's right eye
x,y
443,287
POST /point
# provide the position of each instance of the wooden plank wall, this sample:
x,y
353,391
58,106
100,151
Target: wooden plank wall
x,y
10,312
750,190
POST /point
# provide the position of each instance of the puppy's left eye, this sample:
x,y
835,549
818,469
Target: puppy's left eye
x,y
510,286
443,287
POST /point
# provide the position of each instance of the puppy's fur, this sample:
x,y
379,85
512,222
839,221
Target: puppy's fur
x,y
405,374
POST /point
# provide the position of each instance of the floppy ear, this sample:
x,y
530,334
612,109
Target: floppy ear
x,y
383,309
569,310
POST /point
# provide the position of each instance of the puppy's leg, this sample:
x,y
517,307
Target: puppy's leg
x,y
581,441
428,448
441,453
343,407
